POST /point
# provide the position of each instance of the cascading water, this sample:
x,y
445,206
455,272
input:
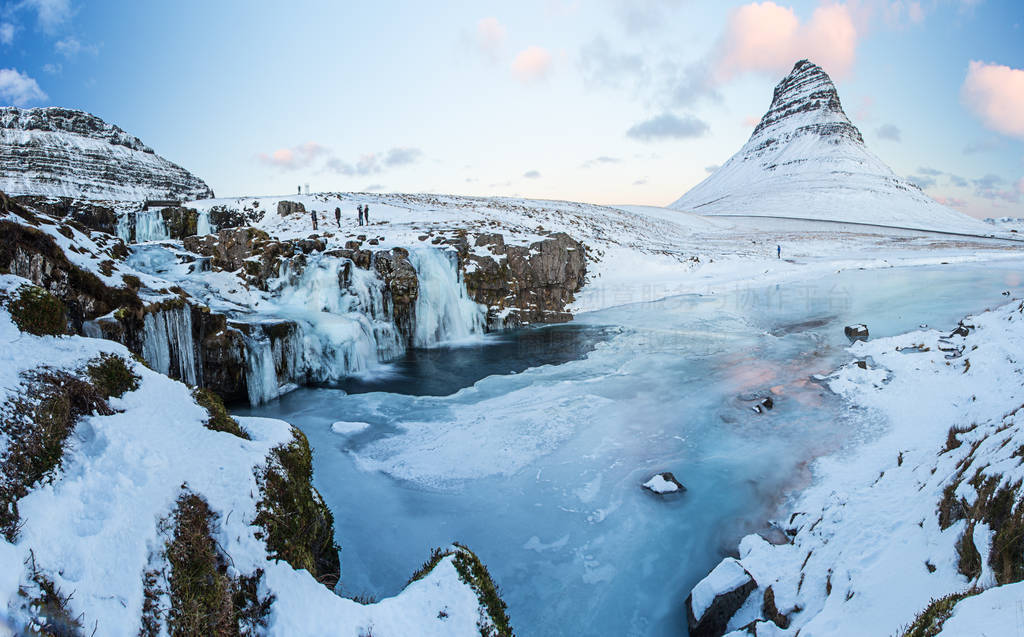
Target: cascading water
x,y
343,324
149,226
444,311
167,339
203,226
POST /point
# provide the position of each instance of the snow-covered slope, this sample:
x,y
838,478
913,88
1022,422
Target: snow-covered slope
x,y
806,160
69,153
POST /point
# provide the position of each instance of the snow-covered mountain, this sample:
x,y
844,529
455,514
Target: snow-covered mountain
x,y
807,160
70,153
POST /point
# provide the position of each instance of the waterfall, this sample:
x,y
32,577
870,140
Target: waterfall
x,y
444,311
149,226
167,341
332,320
203,226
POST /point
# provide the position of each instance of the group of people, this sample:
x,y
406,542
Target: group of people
x,y
362,209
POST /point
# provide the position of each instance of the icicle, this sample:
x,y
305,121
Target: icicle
x,y
444,311
167,339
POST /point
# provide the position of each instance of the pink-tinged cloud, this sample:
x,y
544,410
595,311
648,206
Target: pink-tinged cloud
x,y
490,35
767,37
751,122
299,156
952,202
531,63
995,93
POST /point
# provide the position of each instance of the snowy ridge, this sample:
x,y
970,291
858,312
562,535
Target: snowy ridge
x,y
805,159
63,152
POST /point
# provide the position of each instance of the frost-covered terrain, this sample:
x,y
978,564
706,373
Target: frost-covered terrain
x,y
927,510
61,152
806,160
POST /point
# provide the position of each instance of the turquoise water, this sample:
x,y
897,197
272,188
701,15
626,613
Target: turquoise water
x,y
531,448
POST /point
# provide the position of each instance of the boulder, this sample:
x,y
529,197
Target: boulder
x,y
858,332
717,597
285,208
664,484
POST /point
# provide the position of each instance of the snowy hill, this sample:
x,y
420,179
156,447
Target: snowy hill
x,y
807,160
69,153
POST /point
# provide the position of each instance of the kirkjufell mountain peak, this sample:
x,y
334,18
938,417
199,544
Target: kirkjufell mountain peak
x,y
66,152
807,160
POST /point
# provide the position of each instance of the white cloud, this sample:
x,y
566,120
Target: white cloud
x,y
6,33
995,93
532,63
50,13
19,89
71,46
299,156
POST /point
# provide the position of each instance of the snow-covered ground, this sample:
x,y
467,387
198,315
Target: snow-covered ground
x,y
869,549
93,527
635,253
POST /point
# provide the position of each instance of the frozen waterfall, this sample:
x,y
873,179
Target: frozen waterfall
x,y
167,343
149,226
444,311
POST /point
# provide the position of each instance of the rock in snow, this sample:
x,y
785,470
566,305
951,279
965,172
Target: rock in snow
x,y
857,332
806,160
664,483
717,597
63,152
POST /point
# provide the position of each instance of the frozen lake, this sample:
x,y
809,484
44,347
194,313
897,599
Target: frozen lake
x,y
531,447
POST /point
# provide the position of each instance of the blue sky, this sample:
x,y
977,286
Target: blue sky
x,y
608,101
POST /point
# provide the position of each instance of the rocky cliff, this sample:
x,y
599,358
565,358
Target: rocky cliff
x,y
69,153
805,159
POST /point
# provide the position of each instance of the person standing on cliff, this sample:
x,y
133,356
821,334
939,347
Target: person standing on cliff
x,y
337,216
312,214
366,213
359,211
778,250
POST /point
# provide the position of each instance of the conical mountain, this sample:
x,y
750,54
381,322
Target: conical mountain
x,y
806,160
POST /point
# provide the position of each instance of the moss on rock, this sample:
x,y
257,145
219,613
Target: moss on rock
x,y
220,419
36,311
297,526
111,376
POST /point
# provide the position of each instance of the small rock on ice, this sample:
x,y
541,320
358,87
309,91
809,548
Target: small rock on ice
x,y
664,483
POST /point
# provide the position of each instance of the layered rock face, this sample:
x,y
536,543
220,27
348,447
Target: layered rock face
x,y
63,152
523,285
805,159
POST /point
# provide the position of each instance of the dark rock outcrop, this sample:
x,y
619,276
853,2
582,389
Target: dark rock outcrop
x,y
285,208
64,152
250,250
402,285
181,222
523,285
92,215
857,332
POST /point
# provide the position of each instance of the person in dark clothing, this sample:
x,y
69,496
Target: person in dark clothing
x,y
359,211
366,213
778,250
312,214
337,216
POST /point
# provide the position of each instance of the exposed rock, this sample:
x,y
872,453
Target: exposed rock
x,y
402,286
285,208
522,285
771,613
717,597
90,214
857,332
664,484
63,152
180,222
